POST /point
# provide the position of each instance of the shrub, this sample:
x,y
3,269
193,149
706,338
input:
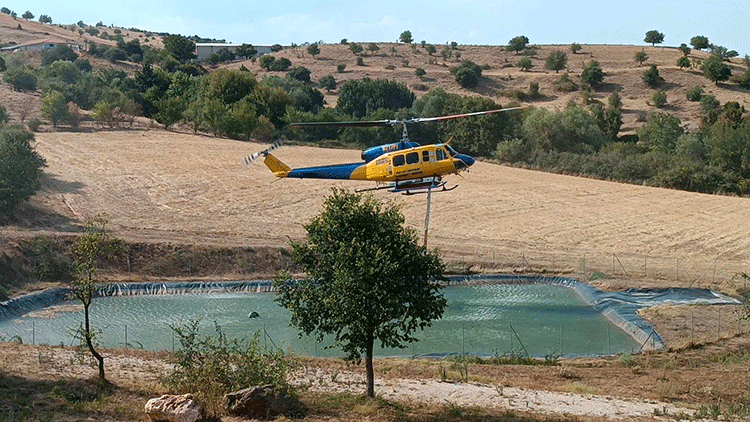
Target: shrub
x,y
575,48
534,90
340,68
659,99
210,367
651,76
683,62
300,73
467,78
557,61
420,72
34,124
525,64
360,61
695,93
61,52
564,84
21,79
328,82
592,74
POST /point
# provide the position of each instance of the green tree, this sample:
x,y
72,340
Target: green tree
x,y
313,50
20,168
88,251
557,61
406,37
715,69
28,15
575,48
373,48
684,49
367,279
61,52
276,48
723,52
45,19
660,133
299,73
694,93
54,107
711,109
114,54
362,97
467,78
420,72
246,51
592,74
651,76
699,42
431,49
744,80
683,62
355,48
5,10
518,44
525,64
640,57
180,48
327,82
3,68
654,37
571,130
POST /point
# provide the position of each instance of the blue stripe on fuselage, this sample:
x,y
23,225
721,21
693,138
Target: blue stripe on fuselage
x,y
338,171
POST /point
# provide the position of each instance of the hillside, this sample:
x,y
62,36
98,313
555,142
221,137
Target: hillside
x,y
622,73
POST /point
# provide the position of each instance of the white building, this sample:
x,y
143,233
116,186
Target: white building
x,y
42,44
203,50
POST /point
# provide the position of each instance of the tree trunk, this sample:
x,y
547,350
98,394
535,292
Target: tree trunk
x,y
90,344
368,364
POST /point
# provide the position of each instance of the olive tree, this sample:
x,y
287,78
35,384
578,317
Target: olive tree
x,y
557,61
367,279
654,37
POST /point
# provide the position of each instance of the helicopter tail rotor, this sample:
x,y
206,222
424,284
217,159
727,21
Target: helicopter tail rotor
x,y
250,158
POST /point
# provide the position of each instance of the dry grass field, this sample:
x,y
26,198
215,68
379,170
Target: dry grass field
x,y
171,187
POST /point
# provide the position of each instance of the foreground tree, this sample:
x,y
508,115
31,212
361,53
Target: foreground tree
x,y
88,250
715,69
20,168
367,279
592,74
179,47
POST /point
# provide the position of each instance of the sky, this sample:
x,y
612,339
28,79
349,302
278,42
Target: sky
x,y
479,22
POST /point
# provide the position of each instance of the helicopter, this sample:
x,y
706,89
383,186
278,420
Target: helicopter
x,y
403,167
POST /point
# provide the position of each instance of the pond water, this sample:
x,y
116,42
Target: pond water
x,y
538,319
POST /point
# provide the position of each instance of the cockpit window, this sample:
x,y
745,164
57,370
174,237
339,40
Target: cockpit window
x,y
439,153
451,151
412,158
398,160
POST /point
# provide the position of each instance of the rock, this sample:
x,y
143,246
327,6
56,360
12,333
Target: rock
x,y
169,408
258,402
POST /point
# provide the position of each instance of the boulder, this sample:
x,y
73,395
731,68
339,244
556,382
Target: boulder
x,y
258,402
169,408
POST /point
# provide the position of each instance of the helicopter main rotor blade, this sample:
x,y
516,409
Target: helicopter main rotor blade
x,y
458,116
366,123
374,123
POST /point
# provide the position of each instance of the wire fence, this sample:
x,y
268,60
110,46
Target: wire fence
x,y
679,271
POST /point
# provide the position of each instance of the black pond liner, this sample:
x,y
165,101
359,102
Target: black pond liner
x,y
620,307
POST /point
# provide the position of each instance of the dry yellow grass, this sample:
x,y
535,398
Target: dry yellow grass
x,y
170,187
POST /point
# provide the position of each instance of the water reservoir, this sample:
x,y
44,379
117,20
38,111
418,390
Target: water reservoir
x,y
538,319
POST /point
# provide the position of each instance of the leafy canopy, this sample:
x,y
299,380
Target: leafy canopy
x,y
654,37
367,278
20,168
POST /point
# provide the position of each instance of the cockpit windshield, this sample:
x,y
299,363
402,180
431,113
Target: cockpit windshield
x,y
452,151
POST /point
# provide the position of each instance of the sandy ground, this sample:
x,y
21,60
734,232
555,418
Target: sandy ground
x,y
171,187
133,368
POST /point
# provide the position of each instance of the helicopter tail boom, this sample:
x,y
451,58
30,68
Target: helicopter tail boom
x,y
278,168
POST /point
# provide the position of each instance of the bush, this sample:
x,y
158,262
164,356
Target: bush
x,y
467,78
694,94
115,54
564,84
61,52
651,76
592,74
525,64
20,168
34,124
21,79
300,73
659,99
360,61
210,367
340,68
420,72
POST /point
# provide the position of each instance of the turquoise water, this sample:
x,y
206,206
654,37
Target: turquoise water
x,y
491,319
